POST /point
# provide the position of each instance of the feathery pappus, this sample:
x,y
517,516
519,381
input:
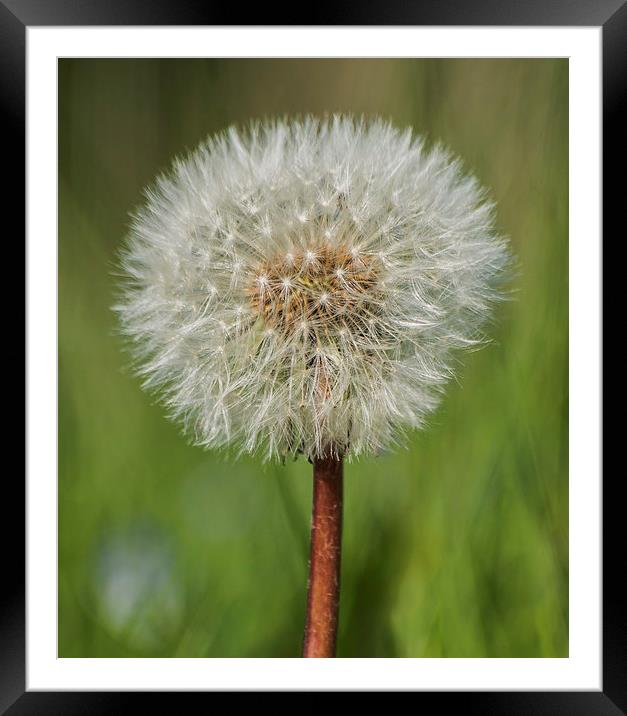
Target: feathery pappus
x,y
303,286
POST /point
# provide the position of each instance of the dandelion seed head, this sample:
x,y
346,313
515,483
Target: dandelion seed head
x,y
303,287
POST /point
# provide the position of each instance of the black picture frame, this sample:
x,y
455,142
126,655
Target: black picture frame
x,y
17,15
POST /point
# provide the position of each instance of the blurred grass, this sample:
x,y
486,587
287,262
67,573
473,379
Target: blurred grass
x,y
455,547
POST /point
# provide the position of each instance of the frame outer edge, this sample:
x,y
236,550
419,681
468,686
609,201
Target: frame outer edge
x,y
12,113
614,556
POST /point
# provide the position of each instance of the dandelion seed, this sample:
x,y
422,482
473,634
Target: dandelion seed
x,y
360,283
413,254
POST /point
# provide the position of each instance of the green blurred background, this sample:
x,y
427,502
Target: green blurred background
x,y
455,547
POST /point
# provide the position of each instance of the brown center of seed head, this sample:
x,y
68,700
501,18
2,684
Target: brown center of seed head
x,y
322,290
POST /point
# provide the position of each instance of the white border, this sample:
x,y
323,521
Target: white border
x,y
582,670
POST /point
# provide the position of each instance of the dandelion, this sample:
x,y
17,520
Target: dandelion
x,y
303,288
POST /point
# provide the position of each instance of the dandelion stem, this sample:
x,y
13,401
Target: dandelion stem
x,y
323,598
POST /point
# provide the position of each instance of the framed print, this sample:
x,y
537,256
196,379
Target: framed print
x,y
313,351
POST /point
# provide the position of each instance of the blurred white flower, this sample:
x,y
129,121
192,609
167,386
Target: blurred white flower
x,y
138,592
302,286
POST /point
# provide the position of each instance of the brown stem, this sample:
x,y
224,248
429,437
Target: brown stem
x,y
323,598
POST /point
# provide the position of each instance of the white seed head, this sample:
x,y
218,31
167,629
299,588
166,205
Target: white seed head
x,y
301,287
